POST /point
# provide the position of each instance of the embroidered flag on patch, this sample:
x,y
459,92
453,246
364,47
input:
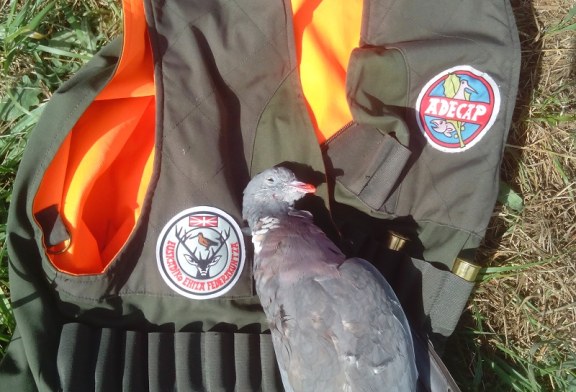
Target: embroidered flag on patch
x,y
203,221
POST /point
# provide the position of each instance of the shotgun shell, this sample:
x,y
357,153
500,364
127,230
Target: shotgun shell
x,y
465,269
396,241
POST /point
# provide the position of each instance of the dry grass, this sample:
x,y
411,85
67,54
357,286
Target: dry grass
x,y
523,314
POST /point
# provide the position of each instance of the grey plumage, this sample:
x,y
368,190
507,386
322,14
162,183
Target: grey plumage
x,y
335,322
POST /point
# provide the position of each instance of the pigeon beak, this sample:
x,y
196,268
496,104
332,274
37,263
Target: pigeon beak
x,y
303,187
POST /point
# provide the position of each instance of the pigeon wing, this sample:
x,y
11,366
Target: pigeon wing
x,y
374,337
336,325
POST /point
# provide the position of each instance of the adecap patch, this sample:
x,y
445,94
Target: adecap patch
x,y
457,107
200,252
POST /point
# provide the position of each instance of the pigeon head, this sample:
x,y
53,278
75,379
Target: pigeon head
x,y
272,193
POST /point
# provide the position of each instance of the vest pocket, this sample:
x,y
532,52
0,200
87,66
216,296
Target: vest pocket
x,y
367,164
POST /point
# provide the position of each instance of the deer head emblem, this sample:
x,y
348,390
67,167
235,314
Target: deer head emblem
x,y
203,261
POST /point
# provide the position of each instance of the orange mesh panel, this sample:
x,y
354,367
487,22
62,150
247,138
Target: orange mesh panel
x,y
99,176
326,31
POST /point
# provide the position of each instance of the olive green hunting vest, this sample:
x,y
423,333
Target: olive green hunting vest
x,y
170,303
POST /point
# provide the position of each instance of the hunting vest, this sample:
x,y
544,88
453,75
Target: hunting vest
x,y
129,266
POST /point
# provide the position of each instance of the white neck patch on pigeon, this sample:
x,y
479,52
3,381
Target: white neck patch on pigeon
x,y
264,225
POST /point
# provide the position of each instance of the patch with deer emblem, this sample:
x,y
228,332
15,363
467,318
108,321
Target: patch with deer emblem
x,y
201,252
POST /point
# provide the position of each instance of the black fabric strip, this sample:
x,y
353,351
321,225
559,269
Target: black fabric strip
x,y
94,359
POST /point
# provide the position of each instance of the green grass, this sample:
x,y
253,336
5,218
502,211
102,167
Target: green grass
x,y
517,333
491,358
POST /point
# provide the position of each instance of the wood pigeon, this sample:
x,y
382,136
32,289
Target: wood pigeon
x,y
336,324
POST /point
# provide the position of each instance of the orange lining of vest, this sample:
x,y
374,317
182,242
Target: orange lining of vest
x,y
99,177
325,32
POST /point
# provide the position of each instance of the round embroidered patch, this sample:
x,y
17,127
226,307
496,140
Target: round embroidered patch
x,y
201,252
457,107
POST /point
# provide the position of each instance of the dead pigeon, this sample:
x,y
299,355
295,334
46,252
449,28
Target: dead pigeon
x,y
336,324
